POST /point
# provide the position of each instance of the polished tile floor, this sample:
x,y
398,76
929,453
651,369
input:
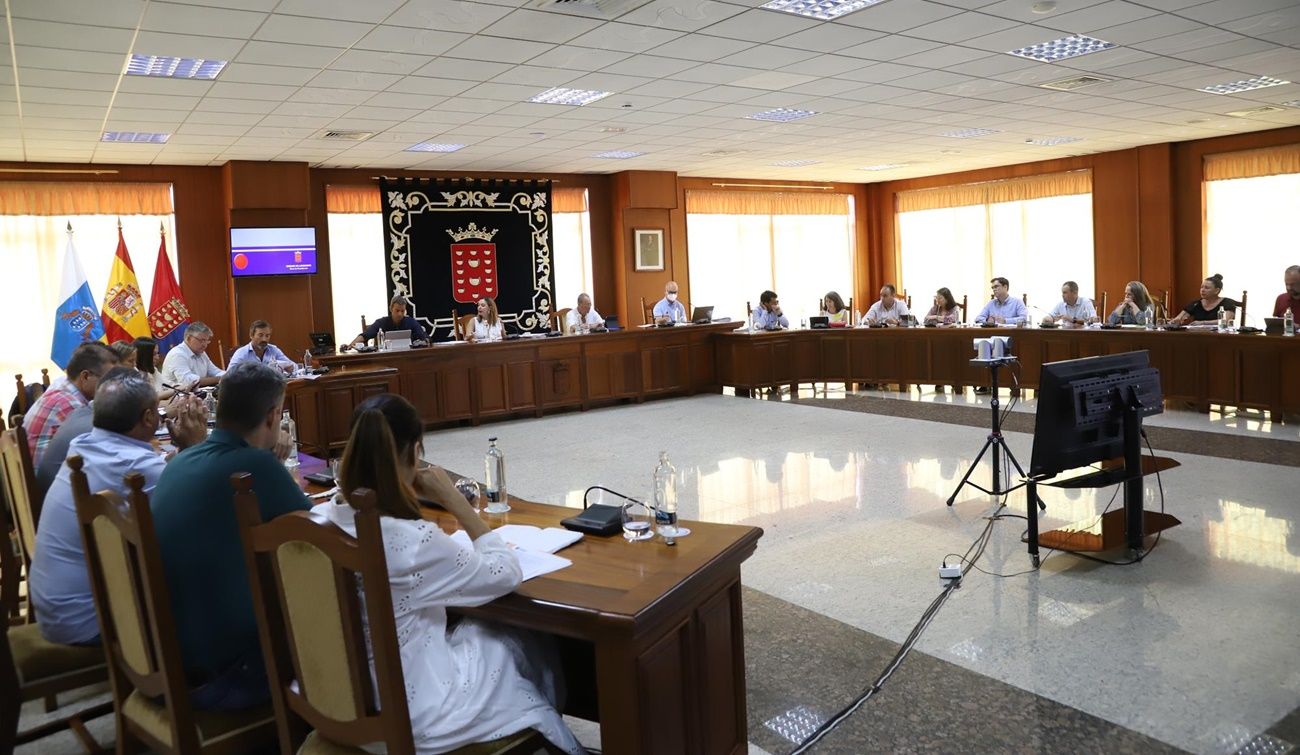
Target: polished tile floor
x,y
1194,647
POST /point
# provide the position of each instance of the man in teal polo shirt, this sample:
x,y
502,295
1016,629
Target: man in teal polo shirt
x,y
194,516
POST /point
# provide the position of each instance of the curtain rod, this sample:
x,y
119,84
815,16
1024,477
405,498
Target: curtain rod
x,y
90,171
466,178
773,186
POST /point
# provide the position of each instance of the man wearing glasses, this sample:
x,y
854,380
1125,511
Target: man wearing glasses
x,y
187,366
88,364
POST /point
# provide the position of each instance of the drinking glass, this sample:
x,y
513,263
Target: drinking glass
x,y
469,488
637,521
335,465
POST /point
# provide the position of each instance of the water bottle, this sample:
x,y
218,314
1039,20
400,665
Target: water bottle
x,y
1223,322
287,425
380,343
1288,323
665,497
495,479
306,361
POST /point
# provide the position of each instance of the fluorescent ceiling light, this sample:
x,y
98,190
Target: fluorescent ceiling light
x,y
1052,141
1061,49
618,154
1233,87
823,10
883,166
174,68
968,133
134,137
794,163
781,115
566,96
433,147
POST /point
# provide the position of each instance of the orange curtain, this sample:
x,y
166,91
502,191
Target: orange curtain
x,y
1271,161
708,202
568,200
71,198
352,200
993,192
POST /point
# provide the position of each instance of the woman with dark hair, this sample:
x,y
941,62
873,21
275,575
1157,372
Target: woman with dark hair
x,y
1206,308
833,308
147,361
474,681
487,325
1136,308
945,310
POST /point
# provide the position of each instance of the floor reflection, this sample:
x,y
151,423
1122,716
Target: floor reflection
x,y
1248,535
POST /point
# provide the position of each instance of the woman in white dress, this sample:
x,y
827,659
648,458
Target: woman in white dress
x,y
487,325
474,681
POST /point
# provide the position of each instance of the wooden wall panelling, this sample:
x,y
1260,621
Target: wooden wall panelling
x,y
1156,218
1116,258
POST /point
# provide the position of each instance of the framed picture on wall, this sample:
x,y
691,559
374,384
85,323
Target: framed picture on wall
x,y
649,249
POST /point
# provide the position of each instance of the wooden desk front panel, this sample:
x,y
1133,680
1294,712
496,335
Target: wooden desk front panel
x,y
322,408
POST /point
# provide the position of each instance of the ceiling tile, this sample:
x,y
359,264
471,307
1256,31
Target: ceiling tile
x,y
379,62
330,95
71,36
1101,16
371,11
445,15
760,25
418,41
896,17
281,54
961,27
540,27
111,13
251,73
578,58
766,56
681,15
195,19
430,86
889,48
1220,11
625,37
311,31
669,88
186,45
69,60
498,50
354,80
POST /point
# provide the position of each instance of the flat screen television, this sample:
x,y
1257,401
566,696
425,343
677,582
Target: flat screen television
x,y
272,251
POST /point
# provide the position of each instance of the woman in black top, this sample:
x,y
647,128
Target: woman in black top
x,y
1206,308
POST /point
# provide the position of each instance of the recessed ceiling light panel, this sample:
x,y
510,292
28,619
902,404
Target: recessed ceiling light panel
x,y
1052,141
134,137
781,115
794,163
823,10
1062,49
1073,83
970,133
1233,87
618,154
433,147
173,68
567,96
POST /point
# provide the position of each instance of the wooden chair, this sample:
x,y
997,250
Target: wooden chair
x,y
1025,298
647,312
304,573
1241,312
964,299
466,325
559,320
19,481
32,668
1104,309
151,699
221,355
26,395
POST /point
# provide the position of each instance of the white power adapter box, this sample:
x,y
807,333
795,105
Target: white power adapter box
x,y
950,572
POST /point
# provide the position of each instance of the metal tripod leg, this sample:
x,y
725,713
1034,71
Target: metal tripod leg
x,y
966,477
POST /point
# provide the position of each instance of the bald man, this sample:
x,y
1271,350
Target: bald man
x,y
668,309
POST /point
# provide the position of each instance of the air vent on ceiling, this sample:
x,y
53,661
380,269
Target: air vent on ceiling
x,y
348,136
1261,110
1076,82
602,9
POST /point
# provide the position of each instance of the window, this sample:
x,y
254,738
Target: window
x,y
33,238
571,237
1251,223
1036,232
742,243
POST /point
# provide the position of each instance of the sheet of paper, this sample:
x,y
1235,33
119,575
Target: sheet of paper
x,y
549,540
532,564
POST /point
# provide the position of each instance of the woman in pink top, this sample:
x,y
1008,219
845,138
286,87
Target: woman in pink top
x,y
945,310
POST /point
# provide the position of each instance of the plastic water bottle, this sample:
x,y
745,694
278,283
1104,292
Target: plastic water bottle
x,y
1223,321
495,479
287,425
665,497
1288,323
306,361
380,343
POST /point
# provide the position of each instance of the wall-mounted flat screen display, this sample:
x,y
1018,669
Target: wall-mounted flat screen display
x,y
272,251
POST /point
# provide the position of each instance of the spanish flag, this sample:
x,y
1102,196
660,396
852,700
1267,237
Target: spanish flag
x,y
123,311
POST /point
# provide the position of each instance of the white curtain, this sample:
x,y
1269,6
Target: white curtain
x,y
357,269
571,238
1037,244
734,258
1251,229
31,258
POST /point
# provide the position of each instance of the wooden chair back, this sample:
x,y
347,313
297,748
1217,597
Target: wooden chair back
x,y
647,312
1104,309
221,354
1242,310
364,326
964,298
560,320
466,325
304,572
136,624
1025,298
26,395
851,313
18,476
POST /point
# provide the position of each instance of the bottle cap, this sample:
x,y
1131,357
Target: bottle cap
x,y
492,439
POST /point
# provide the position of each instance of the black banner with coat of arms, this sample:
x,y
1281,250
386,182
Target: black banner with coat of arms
x,y
451,242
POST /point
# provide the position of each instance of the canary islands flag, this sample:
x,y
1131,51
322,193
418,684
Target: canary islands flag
x,y
167,313
124,315
76,320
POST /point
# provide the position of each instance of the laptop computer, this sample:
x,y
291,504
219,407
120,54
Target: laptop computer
x,y
397,340
702,315
1273,326
819,323
611,323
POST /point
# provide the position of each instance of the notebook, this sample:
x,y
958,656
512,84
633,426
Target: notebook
x,y
531,563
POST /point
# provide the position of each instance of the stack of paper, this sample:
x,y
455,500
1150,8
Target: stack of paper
x,y
533,547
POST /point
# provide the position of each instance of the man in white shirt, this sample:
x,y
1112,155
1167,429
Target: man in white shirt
x,y
583,315
668,309
260,348
890,310
1073,310
187,365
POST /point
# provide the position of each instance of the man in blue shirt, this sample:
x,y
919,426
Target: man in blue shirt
x,y
668,309
397,319
260,348
203,559
1002,309
125,416
768,315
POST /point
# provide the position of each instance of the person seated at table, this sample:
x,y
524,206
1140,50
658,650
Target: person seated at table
x,y
1290,298
202,558
260,349
1002,309
1072,310
149,363
1136,309
125,418
125,351
1206,308
583,315
487,323
472,681
945,310
768,315
890,310
668,309
396,319
88,363
187,365
833,308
